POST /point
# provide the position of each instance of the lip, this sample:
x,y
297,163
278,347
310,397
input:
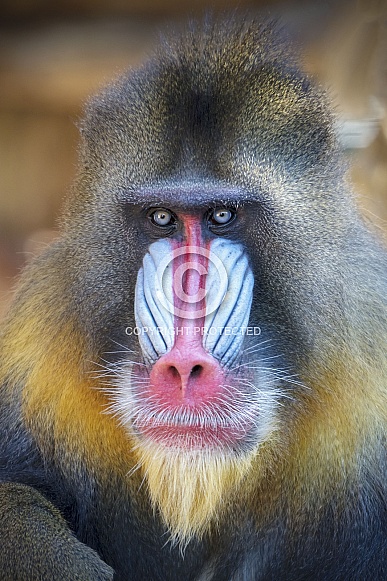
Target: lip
x,y
198,436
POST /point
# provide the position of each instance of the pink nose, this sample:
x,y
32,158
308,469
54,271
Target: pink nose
x,y
188,374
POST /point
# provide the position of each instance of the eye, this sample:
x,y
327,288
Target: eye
x,y
162,217
221,216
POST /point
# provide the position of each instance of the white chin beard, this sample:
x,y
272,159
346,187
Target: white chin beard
x,y
190,487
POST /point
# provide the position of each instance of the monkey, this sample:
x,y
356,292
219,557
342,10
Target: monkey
x,y
193,376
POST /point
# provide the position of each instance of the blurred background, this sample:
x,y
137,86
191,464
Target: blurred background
x,y
54,54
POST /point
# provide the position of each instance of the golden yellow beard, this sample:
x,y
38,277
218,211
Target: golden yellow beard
x,y
190,487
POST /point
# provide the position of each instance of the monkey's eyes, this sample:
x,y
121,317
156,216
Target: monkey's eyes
x,y
162,217
221,217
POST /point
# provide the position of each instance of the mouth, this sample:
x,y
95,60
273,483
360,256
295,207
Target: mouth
x,y
232,416
193,428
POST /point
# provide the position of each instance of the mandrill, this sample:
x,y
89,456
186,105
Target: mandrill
x,y
194,376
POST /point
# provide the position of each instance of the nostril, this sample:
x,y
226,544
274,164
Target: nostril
x,y
196,371
173,371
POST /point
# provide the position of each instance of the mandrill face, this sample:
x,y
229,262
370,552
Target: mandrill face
x,y
202,395
197,385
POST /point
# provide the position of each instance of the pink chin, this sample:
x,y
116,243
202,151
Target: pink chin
x,y
192,436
